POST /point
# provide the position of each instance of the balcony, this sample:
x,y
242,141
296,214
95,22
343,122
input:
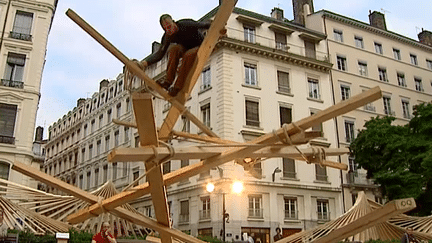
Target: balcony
x,y
7,139
20,36
256,213
204,214
291,215
13,84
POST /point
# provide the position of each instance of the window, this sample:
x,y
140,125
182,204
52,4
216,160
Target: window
x,y
255,208
118,110
186,124
105,173
4,171
387,105
135,176
345,92
184,211
359,42
7,123
310,50
397,54
88,179
338,35
252,113
109,116
352,164
116,138
349,131
413,59
401,79
128,105
249,33
318,127
323,210
285,115
363,68
85,130
281,41
114,171
320,173
81,181
288,168
148,211
250,74
418,84
92,126
290,204
126,134
90,151
14,71
82,155
107,143
283,82
429,64
378,48
125,169
205,114
205,209
406,109
341,63
22,26
100,121
382,73
206,79
98,147
166,167
96,178
314,92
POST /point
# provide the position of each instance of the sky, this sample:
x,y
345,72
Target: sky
x,y
75,63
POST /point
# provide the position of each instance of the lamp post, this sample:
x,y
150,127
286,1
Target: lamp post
x,y
237,187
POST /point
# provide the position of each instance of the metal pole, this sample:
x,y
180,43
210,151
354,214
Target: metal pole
x,y
223,217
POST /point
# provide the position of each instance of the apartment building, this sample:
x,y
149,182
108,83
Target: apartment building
x,y
23,42
365,55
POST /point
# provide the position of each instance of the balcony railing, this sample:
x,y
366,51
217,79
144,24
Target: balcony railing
x,y
184,218
20,36
256,213
13,84
204,214
291,215
7,139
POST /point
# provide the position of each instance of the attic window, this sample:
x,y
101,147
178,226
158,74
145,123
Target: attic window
x,y
249,20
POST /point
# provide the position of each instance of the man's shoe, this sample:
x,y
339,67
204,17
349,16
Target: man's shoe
x,y
163,84
173,91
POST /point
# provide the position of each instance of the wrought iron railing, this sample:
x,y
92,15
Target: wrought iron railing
x,y
7,139
13,84
20,36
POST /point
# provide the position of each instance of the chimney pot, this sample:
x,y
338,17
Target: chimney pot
x,y
377,19
425,37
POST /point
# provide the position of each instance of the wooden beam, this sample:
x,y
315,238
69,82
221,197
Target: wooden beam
x,y
144,115
124,123
195,169
373,218
203,54
85,196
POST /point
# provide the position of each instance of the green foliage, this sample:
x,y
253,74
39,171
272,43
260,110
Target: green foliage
x,y
399,158
29,237
79,236
207,238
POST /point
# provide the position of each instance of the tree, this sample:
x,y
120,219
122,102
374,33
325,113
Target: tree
x,y
399,158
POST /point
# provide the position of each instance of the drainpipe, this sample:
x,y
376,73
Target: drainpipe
x,y
335,119
4,25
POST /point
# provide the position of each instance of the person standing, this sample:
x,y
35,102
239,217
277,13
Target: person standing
x,y
104,236
278,235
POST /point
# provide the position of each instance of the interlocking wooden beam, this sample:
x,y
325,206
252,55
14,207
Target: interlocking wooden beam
x,y
88,197
202,166
380,215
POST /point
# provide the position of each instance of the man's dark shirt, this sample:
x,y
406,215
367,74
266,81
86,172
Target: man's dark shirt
x,y
188,35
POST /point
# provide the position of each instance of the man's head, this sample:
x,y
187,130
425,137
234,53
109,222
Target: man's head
x,y
278,230
168,24
105,226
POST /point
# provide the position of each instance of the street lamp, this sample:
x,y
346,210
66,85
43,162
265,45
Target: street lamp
x,y
237,188
277,170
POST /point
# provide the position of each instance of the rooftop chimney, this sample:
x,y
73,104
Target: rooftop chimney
x,y
39,134
103,84
425,37
277,13
299,10
377,19
80,102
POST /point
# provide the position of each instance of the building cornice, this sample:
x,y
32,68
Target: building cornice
x,y
272,53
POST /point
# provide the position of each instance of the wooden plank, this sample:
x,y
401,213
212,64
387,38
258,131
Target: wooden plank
x,y
202,166
203,54
85,196
135,69
197,152
371,219
144,115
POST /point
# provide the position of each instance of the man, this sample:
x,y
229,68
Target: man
x,y
104,236
408,237
278,235
181,41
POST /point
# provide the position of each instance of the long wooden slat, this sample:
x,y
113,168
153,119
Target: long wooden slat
x,y
371,219
194,169
143,110
203,54
133,67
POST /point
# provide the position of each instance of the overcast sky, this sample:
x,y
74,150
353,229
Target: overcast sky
x,y
75,63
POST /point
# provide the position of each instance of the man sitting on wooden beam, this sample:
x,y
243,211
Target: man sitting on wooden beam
x,y
182,39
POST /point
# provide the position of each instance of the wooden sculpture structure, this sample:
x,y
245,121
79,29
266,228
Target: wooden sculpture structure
x,y
152,150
